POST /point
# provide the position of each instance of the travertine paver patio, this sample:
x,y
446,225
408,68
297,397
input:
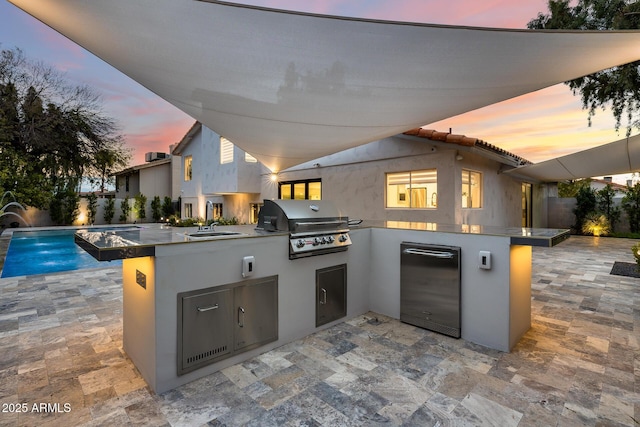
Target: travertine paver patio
x,y
61,344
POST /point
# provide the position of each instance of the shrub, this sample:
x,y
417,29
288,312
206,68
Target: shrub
x,y
167,207
109,210
607,206
92,207
636,253
596,225
63,208
156,209
631,205
227,221
125,208
139,205
585,205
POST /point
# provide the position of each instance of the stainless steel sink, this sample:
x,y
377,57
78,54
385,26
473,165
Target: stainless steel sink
x,y
212,234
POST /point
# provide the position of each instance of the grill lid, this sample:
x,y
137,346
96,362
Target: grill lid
x,y
297,216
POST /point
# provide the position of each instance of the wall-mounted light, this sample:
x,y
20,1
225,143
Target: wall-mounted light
x,y
273,177
459,157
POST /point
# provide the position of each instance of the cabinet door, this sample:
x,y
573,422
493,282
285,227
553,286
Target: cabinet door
x,y
256,314
205,332
331,294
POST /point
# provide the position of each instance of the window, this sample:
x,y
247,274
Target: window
x,y
471,189
188,210
226,151
216,210
300,190
254,209
249,158
415,189
188,169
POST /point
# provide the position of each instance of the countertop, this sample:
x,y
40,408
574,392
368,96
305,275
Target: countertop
x,y
140,241
546,237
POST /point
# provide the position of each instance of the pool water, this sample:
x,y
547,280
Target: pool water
x,y
40,252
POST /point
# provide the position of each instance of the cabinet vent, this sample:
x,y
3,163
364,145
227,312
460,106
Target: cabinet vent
x,y
206,354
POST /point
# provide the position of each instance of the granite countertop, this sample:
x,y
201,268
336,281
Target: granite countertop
x,y
546,237
139,241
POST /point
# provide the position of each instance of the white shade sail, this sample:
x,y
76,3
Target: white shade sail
x,y
289,87
617,157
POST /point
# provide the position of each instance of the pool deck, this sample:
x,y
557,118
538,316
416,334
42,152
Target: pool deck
x,y
579,365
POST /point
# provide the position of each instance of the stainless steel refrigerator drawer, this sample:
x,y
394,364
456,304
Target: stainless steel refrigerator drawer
x,y
430,287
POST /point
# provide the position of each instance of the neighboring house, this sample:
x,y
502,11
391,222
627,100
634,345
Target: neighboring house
x,y
599,184
421,175
153,178
217,179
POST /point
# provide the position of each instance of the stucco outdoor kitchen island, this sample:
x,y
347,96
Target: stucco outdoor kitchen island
x,y
163,268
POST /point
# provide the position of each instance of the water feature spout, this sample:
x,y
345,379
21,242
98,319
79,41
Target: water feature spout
x,y
3,211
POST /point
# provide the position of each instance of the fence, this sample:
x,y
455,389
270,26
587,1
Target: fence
x,y
561,214
40,218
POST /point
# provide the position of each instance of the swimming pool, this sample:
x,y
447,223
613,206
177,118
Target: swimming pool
x,y
51,251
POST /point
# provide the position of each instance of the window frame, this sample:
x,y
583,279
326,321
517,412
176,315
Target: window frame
x,y
481,188
292,185
188,168
227,151
431,204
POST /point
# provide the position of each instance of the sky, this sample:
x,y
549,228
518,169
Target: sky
x,y
538,126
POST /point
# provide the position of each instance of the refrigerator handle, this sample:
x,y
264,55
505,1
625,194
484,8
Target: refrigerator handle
x,y
424,252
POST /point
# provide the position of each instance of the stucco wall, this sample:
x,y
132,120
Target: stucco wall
x,y
561,214
359,188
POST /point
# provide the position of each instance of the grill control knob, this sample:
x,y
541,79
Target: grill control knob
x,y
324,240
343,238
316,241
300,243
330,239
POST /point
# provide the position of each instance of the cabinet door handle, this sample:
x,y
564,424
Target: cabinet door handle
x,y
323,296
241,317
212,307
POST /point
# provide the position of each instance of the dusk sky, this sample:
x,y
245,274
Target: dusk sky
x,y
538,126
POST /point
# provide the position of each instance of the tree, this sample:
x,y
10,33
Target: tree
x,y
156,208
63,207
125,208
167,207
571,188
606,205
109,210
617,87
585,206
52,133
139,205
92,208
631,205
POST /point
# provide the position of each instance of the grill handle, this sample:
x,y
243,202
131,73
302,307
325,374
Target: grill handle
x,y
335,222
203,309
425,252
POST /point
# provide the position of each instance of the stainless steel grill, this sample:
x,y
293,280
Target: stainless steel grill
x,y
315,227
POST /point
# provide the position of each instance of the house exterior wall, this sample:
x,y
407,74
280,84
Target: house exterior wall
x,y
134,185
355,181
156,181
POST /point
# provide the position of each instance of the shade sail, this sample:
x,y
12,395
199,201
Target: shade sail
x,y
615,158
289,87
